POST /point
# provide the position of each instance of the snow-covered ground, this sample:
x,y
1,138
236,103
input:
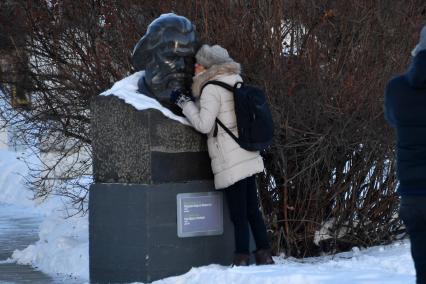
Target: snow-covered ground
x,y
63,242
63,248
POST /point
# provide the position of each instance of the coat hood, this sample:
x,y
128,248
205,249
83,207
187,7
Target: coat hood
x,y
214,71
416,74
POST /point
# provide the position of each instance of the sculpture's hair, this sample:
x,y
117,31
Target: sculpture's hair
x,y
153,38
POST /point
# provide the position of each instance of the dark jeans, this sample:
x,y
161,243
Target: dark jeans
x,y
244,210
413,213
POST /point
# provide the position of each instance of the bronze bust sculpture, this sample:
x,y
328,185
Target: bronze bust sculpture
x,y
167,54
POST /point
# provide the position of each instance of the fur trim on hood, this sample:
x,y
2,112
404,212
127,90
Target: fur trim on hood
x,y
214,71
422,43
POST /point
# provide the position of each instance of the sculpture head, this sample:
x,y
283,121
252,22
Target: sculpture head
x,y
167,54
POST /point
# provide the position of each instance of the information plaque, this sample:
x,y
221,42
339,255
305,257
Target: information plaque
x,y
199,214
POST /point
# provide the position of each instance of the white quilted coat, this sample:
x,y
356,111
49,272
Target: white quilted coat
x,y
230,163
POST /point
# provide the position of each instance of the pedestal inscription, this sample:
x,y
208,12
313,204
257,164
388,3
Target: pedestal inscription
x,y
199,214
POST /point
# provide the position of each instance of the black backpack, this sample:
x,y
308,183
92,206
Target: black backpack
x,y
254,119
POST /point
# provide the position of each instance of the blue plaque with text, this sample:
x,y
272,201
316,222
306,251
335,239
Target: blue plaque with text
x,y
199,214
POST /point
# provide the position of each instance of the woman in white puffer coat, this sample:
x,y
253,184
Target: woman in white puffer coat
x,y
233,167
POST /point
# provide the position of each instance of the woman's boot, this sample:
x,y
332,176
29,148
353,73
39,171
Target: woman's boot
x,y
241,259
263,256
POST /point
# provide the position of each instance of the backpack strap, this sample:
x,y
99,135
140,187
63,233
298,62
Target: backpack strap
x,y
231,89
226,129
218,83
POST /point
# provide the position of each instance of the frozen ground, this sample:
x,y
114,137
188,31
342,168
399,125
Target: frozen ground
x,y
63,248
386,264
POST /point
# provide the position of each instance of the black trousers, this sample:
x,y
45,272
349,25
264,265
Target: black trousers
x,y
244,210
413,214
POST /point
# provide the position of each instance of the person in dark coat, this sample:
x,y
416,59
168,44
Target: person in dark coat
x,y
405,110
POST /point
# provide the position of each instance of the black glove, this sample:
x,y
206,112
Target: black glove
x,y
180,97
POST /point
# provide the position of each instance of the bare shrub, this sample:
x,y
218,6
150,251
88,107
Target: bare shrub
x,y
330,178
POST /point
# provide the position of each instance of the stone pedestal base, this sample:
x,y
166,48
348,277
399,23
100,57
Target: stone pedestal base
x,y
133,233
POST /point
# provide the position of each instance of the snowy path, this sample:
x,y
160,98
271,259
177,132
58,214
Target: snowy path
x,y
18,229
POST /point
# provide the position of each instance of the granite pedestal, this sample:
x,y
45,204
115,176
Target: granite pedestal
x,y
144,147
141,162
